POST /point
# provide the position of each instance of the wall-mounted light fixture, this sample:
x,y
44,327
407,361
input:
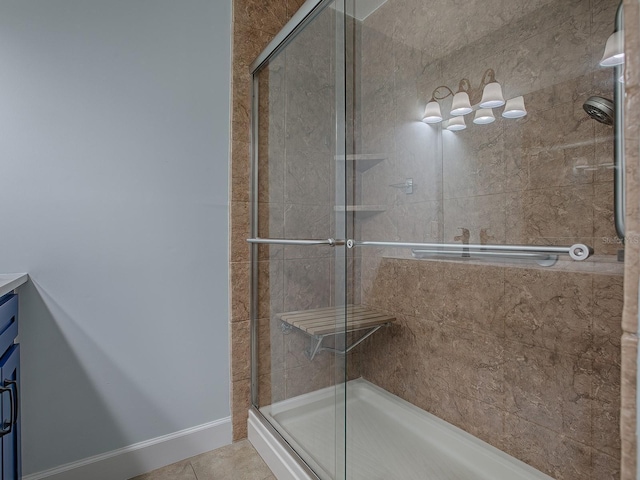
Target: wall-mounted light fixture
x,y
613,50
514,108
614,53
456,123
432,113
487,96
461,105
484,116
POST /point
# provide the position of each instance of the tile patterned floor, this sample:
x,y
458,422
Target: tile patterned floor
x,y
238,461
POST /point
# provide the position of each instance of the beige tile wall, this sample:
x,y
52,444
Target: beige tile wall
x,y
527,359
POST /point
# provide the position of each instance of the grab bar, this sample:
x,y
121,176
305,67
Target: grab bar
x,y
542,259
577,252
283,241
618,148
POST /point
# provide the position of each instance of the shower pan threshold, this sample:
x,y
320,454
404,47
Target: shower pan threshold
x,y
387,438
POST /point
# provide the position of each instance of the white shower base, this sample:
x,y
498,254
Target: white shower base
x,y
387,439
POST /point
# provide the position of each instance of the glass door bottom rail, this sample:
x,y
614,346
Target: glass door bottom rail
x,y
321,323
388,438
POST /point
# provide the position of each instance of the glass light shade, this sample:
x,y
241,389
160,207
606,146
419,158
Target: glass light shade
x,y
514,108
492,96
461,104
456,123
484,116
614,50
432,113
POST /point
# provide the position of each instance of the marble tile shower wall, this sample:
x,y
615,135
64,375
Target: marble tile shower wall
x,y
527,359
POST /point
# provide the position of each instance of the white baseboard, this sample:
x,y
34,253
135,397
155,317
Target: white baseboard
x,y
281,462
145,456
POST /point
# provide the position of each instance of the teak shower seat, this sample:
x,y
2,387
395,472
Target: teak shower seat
x,y
321,323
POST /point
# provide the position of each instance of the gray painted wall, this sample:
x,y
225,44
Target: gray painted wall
x,y
114,127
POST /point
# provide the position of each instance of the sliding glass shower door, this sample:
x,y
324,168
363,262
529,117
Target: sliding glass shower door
x,y
298,231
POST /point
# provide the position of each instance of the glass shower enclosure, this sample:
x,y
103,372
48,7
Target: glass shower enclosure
x,y
436,271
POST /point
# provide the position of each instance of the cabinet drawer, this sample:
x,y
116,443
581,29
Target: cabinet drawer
x,y
8,321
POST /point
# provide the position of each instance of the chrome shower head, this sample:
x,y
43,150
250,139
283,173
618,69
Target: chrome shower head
x,y
600,109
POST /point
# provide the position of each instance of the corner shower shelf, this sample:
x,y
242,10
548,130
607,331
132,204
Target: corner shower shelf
x,y
362,161
327,322
362,210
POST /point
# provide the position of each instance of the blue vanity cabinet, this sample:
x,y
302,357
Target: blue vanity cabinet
x,y
9,388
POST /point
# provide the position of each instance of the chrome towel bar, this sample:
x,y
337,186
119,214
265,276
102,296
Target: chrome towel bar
x,y
331,242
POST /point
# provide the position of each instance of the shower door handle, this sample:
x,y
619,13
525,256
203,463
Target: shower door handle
x,y
331,242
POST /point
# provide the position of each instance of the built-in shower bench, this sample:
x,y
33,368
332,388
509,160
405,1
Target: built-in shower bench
x,y
322,323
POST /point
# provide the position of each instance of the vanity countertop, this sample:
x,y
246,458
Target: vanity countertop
x,y
11,281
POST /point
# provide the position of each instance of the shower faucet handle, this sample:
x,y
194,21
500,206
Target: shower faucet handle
x,y
464,237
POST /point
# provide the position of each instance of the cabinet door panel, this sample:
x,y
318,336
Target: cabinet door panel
x,y
10,372
8,321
